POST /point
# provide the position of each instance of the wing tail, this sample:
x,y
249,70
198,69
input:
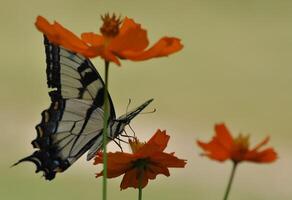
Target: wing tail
x,y
42,163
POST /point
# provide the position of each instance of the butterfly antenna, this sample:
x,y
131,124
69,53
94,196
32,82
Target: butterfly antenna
x,y
152,111
129,102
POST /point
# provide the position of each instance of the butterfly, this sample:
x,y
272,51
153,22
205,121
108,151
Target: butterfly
x,y
73,124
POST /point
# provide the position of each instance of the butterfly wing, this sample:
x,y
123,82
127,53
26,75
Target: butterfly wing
x,y
70,126
74,76
117,127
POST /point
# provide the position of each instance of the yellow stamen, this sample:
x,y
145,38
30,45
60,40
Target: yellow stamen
x,y
135,144
242,142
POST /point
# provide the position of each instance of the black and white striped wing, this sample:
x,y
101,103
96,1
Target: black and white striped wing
x,y
74,121
67,130
74,76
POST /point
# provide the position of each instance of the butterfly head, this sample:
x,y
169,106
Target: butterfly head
x,y
124,120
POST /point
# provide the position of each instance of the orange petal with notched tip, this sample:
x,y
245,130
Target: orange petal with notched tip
x,y
157,143
164,47
131,37
160,138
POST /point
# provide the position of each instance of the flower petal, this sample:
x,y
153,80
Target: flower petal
x,y
98,48
220,147
69,40
154,169
157,143
168,160
59,35
265,156
223,136
160,138
98,158
119,159
118,163
131,37
93,39
45,27
214,150
164,47
131,179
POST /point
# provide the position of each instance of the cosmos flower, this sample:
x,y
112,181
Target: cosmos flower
x,y
146,161
118,39
223,147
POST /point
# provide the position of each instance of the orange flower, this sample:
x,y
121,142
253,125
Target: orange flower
x,y
146,162
125,40
223,147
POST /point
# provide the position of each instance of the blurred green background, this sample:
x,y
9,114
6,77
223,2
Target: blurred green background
x,y
235,68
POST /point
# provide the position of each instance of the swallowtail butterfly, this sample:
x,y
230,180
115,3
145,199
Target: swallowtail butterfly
x,y
73,123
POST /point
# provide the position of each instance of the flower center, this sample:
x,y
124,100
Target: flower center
x,y
141,163
111,25
241,143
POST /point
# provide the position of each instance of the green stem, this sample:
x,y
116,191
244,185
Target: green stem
x,y
230,181
104,133
140,193
140,185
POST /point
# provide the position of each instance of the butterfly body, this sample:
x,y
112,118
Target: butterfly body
x,y
73,124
